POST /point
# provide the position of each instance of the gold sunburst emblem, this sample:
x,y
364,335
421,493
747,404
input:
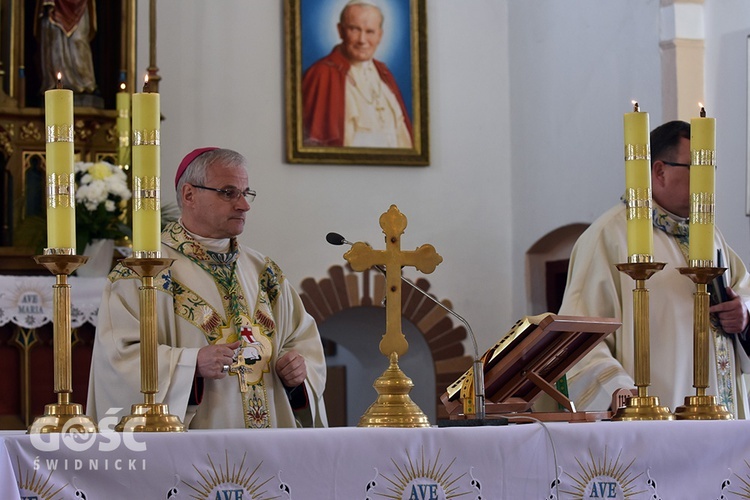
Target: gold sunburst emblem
x,y
420,475
40,486
604,477
230,477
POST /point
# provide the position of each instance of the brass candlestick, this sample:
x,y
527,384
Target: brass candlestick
x,y
149,416
641,406
701,406
62,416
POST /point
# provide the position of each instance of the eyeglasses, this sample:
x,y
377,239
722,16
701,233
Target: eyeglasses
x,y
674,164
231,193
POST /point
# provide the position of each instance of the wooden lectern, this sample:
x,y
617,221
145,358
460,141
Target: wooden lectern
x,y
529,359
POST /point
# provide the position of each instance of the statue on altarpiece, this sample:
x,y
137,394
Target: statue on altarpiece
x,y
65,29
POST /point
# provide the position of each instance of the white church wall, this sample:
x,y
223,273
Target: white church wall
x,y
726,83
222,69
574,69
573,72
526,104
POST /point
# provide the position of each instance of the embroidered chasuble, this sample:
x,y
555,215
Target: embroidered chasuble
x,y
216,292
596,288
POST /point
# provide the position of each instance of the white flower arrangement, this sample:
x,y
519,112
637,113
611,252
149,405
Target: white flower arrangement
x,y
102,196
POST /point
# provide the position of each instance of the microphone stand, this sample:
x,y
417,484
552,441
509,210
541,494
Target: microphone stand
x,y
478,371
478,367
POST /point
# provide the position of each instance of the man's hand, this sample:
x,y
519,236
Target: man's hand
x,y
212,358
291,369
732,314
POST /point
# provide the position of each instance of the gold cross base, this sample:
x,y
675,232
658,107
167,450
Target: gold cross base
x,y
394,407
642,408
702,408
65,418
150,417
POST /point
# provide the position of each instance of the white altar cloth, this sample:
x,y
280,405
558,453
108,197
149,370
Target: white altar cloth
x,y
606,460
27,300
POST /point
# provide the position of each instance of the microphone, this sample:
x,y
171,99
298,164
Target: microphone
x,y
337,239
479,399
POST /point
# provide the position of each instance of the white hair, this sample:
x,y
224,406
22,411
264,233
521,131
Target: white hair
x,y
363,3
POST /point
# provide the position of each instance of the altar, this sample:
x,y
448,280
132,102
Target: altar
x,y
617,460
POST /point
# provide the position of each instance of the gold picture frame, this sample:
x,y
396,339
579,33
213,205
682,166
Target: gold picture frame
x,y
747,173
311,32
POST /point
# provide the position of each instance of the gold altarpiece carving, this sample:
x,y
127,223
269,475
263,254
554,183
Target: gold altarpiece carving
x,y
22,138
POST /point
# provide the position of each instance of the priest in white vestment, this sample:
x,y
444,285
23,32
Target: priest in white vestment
x,y
220,306
596,288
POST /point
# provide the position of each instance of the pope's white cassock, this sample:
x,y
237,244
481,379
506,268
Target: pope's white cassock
x,y
596,288
261,307
373,116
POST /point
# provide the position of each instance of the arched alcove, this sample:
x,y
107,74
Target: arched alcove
x,y
348,309
547,267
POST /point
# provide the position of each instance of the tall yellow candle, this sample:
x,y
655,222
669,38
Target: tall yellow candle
x,y
701,251
638,186
146,172
61,215
123,126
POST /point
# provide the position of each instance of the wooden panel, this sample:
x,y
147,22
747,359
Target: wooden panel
x,y
25,390
556,276
339,284
335,396
10,386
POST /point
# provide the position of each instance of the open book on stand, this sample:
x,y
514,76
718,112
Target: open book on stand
x,y
529,360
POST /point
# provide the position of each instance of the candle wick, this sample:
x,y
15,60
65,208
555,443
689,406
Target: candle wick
x,y
636,108
703,112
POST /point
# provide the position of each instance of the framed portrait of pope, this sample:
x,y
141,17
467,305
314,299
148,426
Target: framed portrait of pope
x,y
356,82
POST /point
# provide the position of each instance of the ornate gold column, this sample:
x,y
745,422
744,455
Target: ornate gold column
x,y
682,57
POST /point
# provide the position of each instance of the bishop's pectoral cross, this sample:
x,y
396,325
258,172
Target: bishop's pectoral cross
x,y
238,366
362,257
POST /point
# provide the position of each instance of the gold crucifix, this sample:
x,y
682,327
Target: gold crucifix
x,y
362,257
239,369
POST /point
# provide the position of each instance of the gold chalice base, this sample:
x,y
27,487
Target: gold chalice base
x,y
147,417
702,408
642,408
63,417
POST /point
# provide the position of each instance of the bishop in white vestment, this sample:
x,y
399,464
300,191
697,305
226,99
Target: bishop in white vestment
x,y
219,304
